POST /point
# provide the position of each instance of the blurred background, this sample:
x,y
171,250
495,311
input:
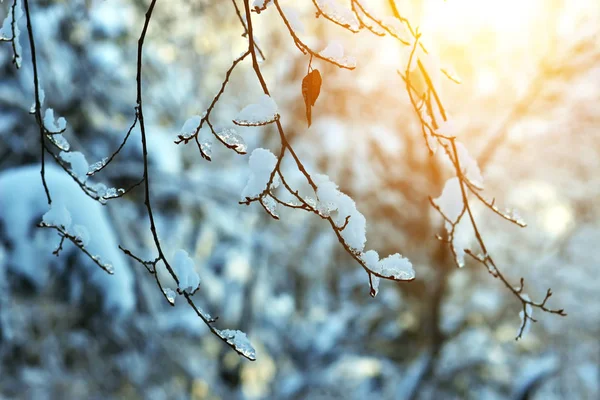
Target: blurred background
x,y
528,109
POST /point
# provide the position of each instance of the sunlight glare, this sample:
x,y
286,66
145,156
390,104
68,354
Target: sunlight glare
x,y
465,17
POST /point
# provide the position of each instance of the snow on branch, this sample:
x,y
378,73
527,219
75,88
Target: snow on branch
x,y
326,201
59,218
10,32
454,204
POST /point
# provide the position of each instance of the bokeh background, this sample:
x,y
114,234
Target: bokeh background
x,y
528,109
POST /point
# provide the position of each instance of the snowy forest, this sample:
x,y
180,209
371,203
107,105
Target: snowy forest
x,y
284,199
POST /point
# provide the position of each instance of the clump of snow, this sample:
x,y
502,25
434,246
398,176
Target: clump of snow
x,y
53,125
469,165
335,52
398,28
58,215
451,205
185,270
330,199
393,267
339,14
262,163
260,5
355,231
81,233
189,127
79,165
447,128
450,201
262,112
293,19
240,342
397,267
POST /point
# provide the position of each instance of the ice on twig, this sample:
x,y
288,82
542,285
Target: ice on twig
x,y
59,141
240,342
270,206
170,295
233,140
97,166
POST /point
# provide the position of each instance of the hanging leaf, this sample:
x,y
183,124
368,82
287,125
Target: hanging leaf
x,y
311,87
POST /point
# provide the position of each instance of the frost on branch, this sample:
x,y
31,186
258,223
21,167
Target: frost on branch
x,y
260,113
239,341
335,53
185,271
262,163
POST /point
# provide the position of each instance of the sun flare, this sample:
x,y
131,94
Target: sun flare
x,y
504,17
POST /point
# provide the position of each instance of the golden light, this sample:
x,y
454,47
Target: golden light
x,y
465,17
488,40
